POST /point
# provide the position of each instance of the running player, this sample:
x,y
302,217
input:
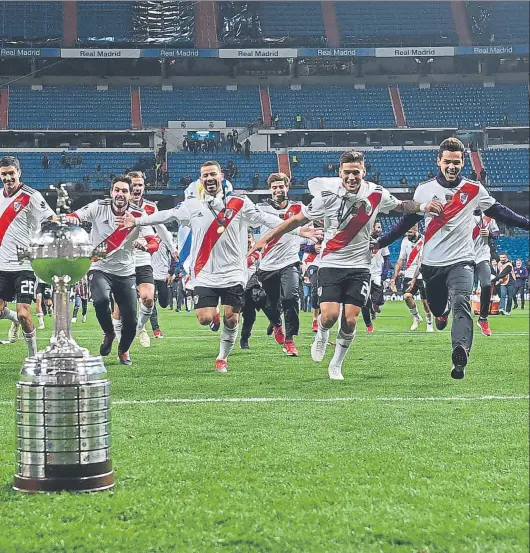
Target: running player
x,y
81,299
22,211
448,251
410,256
219,250
164,265
349,206
43,301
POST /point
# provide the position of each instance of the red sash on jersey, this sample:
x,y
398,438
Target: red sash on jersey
x,y
310,257
484,224
251,259
452,208
11,211
291,212
149,209
350,231
211,236
414,253
116,239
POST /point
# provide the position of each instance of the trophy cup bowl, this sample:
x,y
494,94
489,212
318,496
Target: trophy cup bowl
x,y
63,411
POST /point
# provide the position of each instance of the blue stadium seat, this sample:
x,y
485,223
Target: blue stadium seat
x,y
341,106
69,107
107,21
464,106
187,164
236,107
506,23
396,23
515,247
507,166
291,19
31,20
111,162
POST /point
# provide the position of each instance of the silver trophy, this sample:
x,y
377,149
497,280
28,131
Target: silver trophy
x,y
63,412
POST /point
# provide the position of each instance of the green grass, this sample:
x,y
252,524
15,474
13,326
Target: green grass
x,y
383,470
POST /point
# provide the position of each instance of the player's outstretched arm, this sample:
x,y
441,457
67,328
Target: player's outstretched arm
x,y
398,230
130,221
433,208
506,215
287,226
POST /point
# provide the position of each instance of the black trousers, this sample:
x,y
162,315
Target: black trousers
x,y
283,286
483,275
376,296
519,290
450,287
162,295
248,312
123,289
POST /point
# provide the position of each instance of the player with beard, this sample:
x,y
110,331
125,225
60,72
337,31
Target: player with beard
x,y
115,274
22,211
349,206
410,255
485,227
279,269
145,284
379,268
448,252
219,250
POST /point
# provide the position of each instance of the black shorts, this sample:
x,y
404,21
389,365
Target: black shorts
x,y
144,275
17,285
419,286
45,290
312,273
347,286
209,297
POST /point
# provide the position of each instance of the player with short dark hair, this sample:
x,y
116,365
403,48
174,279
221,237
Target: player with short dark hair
x,y
115,273
22,211
448,251
219,225
349,206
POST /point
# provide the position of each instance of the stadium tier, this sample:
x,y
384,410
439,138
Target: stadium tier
x,y
392,165
291,19
399,23
79,165
111,20
515,246
236,107
499,22
69,107
187,164
507,166
31,20
341,106
465,106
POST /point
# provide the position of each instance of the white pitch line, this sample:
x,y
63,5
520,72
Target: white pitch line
x,y
355,399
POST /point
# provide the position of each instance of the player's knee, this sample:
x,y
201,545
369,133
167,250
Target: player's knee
x,y
148,303
204,319
231,321
460,302
23,314
407,296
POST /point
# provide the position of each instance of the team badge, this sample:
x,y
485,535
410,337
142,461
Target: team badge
x,y
17,206
195,299
464,198
319,291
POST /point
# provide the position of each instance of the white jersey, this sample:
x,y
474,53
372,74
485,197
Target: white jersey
x,y
253,263
448,237
21,216
117,241
161,262
142,258
218,258
283,251
481,243
410,253
348,221
377,264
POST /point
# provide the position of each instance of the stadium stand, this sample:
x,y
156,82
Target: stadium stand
x,y
69,107
110,21
515,246
291,19
187,164
464,106
111,162
507,166
494,23
340,106
31,20
428,23
391,164
236,107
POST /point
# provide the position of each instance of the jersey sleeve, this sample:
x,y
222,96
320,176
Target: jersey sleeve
x,y
485,201
385,251
166,237
40,210
316,209
180,214
493,226
388,202
403,251
87,213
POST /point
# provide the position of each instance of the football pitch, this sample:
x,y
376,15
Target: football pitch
x,y
275,457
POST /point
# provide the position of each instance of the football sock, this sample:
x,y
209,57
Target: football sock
x,y
414,312
9,315
31,341
228,339
428,316
322,333
145,313
116,323
342,346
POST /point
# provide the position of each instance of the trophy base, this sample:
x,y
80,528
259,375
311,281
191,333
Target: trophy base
x,y
97,483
